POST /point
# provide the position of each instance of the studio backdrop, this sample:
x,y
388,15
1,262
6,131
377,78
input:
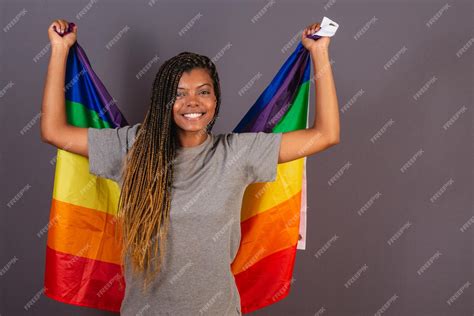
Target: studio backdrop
x,y
385,218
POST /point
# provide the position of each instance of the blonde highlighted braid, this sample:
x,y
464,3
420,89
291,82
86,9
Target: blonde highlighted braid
x,y
147,172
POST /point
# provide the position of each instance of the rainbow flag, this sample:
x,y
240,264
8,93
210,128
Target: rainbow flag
x,y
273,219
82,253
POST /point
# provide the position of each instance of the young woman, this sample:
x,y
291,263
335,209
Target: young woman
x,y
181,185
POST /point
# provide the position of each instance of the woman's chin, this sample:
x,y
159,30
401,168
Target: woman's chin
x,y
191,128
192,125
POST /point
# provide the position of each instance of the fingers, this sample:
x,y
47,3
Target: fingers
x,y
61,26
64,25
312,28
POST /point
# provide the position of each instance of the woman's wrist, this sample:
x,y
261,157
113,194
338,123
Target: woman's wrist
x,y
320,57
60,48
319,51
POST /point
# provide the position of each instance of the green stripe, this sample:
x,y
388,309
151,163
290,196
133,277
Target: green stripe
x,y
80,116
296,116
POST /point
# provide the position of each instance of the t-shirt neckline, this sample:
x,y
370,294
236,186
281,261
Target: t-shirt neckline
x,y
186,151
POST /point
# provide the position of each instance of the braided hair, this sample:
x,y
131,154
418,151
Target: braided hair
x,y
147,172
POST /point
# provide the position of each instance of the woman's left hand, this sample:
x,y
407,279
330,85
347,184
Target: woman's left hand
x,y
311,44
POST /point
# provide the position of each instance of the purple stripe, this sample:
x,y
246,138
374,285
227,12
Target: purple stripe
x,y
110,108
282,99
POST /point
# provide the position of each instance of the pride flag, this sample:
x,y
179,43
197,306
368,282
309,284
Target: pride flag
x,y
82,253
273,217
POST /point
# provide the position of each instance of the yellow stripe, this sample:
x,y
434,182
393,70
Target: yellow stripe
x,y
74,184
90,191
259,197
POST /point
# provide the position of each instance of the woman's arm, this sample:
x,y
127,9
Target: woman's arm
x,y
325,131
54,127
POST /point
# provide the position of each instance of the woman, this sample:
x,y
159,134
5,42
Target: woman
x,y
181,185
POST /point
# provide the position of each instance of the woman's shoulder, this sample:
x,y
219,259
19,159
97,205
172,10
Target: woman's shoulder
x,y
227,139
239,138
236,142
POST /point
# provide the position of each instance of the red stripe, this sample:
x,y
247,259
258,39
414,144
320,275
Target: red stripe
x,y
82,281
273,283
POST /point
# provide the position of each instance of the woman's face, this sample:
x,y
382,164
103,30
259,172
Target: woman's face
x,y
195,95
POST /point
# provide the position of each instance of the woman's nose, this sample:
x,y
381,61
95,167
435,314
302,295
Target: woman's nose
x,y
192,99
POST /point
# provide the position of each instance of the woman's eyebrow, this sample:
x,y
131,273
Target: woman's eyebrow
x,y
197,87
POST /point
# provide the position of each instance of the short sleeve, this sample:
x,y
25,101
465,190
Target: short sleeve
x,y
261,151
107,148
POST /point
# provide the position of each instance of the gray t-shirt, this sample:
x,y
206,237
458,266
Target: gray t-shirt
x,y
204,234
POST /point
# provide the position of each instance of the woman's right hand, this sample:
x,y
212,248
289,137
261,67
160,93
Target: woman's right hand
x,y
56,39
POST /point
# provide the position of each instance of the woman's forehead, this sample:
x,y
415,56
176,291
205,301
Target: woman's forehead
x,y
194,79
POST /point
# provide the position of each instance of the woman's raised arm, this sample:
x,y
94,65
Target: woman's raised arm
x,y
325,131
54,127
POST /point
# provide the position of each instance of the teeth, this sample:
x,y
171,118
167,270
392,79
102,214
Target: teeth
x,y
193,115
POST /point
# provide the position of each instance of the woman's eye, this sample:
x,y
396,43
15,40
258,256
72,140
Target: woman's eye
x,y
180,94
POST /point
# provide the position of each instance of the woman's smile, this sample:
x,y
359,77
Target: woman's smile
x,y
195,116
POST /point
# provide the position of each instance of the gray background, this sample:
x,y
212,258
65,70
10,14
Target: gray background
x,y
368,175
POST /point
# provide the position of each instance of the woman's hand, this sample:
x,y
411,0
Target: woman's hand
x,y
61,26
310,44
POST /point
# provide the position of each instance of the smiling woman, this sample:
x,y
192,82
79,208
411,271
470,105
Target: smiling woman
x,y
193,192
194,107
180,183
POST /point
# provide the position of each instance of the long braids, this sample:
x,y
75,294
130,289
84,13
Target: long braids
x,y
147,173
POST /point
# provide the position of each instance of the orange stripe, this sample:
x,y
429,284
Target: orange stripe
x,y
78,231
268,232
84,232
